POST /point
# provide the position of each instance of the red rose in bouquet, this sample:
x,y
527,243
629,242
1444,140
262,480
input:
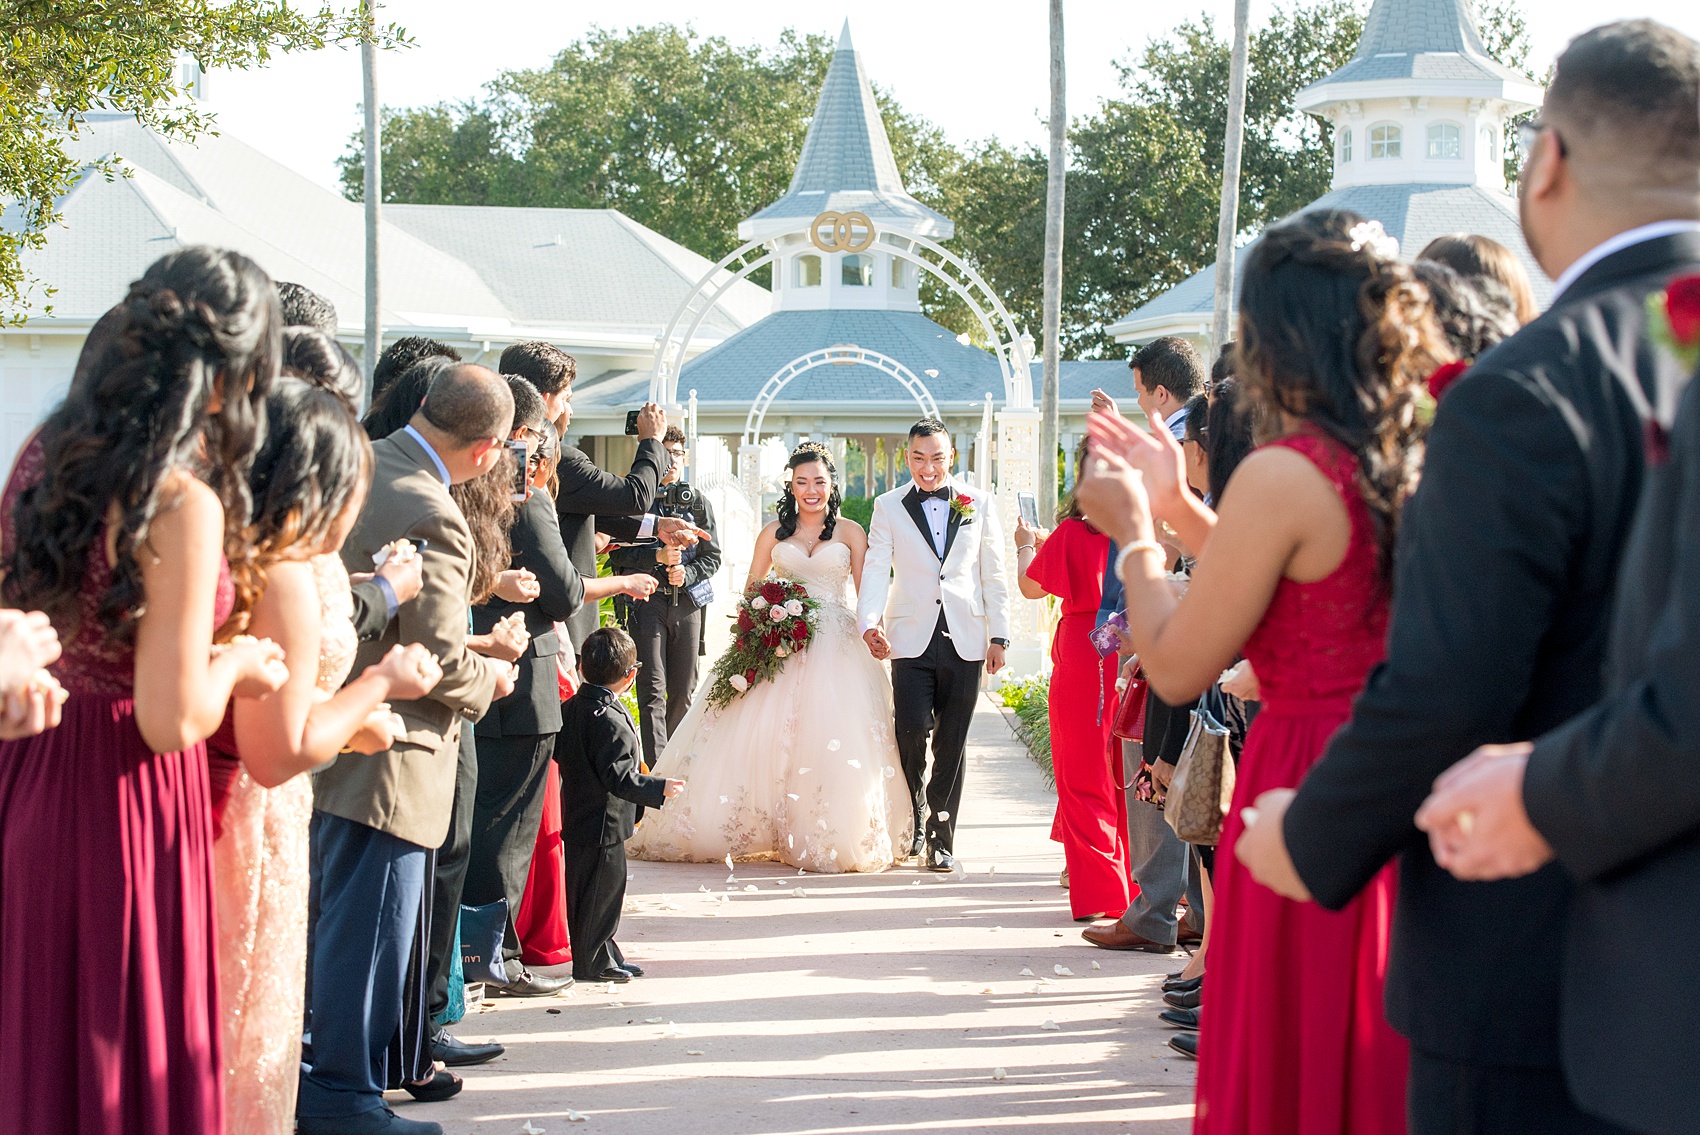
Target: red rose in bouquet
x,y
774,621
745,623
773,591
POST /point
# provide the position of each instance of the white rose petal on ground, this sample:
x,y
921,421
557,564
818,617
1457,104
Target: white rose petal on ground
x,y
693,1052
530,1128
576,1117
1050,1027
1062,971
653,1020
998,1073
1095,965
729,866
1026,971
929,922
833,745
800,892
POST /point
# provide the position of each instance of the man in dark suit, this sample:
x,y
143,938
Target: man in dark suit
x,y
601,789
517,737
667,626
590,500
374,818
1507,563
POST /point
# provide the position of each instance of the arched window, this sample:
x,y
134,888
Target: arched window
x,y
1346,144
808,271
1490,143
858,272
1384,141
899,273
1445,141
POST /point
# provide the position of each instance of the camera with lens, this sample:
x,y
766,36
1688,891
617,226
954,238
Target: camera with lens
x,y
678,495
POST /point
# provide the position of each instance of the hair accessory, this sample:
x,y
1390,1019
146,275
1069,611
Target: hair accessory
x,y
1371,235
812,449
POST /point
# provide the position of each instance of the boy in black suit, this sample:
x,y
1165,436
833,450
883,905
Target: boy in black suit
x,y
600,789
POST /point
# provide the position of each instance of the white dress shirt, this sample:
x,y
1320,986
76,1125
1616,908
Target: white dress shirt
x,y
937,513
1618,243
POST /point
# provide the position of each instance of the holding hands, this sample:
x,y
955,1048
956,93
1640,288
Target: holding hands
x,y
259,666
640,586
878,645
518,585
30,698
508,639
1477,826
403,568
678,532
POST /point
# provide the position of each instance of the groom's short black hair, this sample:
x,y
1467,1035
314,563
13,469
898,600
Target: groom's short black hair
x,y
927,427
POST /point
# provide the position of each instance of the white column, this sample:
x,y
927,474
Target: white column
x,y
1018,472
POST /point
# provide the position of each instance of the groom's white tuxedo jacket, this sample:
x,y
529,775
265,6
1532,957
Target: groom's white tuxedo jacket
x,y
904,583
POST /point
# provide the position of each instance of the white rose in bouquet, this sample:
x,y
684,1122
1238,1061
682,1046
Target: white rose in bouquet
x,y
739,682
777,614
758,604
794,608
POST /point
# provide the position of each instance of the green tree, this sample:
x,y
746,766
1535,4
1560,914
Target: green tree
x,y
64,59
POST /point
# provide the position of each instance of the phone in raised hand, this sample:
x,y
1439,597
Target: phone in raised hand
x,y
1028,505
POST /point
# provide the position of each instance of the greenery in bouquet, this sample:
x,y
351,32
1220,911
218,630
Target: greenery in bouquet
x,y
775,619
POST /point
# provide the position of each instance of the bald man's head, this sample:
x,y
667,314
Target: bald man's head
x,y
469,403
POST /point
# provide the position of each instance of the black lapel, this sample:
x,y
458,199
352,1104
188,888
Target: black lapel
x,y
951,527
912,502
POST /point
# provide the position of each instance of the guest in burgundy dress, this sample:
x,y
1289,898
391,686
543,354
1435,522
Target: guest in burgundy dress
x,y
1336,341
113,522
1091,819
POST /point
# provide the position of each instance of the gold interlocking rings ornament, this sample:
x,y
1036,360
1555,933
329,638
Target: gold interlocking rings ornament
x,y
847,232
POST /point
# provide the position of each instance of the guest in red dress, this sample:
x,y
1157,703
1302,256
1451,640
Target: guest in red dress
x,y
114,521
1091,819
1336,341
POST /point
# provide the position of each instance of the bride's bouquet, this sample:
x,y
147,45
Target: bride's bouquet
x,y
776,619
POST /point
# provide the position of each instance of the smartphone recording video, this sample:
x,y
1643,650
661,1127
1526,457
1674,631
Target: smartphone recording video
x,y
517,451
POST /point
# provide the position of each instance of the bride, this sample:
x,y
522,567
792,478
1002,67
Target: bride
x,y
804,768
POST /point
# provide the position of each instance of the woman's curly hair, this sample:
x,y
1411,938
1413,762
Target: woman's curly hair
x,y
202,323
787,507
1338,333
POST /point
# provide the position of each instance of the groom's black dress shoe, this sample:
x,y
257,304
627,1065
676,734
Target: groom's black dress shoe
x,y
631,967
442,1086
938,859
918,848
459,1054
380,1121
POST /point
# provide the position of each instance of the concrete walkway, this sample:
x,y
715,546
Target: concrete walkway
x,y
857,1003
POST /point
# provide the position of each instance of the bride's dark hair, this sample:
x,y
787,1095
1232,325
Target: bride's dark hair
x,y
787,509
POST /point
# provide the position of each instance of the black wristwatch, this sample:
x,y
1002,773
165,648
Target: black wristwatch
x,y
1000,642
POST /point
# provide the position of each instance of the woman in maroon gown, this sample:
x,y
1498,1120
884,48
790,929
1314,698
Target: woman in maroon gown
x,y
1336,338
1091,819
114,522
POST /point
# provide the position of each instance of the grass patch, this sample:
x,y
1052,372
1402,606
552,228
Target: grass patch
x,y
1028,699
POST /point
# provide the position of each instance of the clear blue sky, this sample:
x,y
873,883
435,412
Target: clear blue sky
x,y
975,69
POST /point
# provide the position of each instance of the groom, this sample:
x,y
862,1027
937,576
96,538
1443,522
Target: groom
x,y
934,600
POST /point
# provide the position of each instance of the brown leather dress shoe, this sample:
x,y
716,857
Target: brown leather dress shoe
x,y
1116,936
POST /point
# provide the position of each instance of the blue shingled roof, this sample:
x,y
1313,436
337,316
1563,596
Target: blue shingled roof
x,y
1415,213
1420,39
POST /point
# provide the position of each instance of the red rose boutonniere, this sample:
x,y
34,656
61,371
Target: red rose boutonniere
x,y
963,506
1673,317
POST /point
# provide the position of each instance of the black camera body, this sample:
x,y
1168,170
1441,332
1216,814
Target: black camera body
x,y
678,495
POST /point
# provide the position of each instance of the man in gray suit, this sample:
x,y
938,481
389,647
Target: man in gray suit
x,y
376,816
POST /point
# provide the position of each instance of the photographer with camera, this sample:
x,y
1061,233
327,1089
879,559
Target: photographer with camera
x,y
668,626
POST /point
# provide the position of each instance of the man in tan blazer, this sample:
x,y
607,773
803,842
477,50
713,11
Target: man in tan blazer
x,y
376,816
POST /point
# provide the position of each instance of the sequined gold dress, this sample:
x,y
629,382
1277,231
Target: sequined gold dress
x,y
802,769
260,869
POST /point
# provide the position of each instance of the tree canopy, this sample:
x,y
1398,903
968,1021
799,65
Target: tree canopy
x,y
689,135
65,59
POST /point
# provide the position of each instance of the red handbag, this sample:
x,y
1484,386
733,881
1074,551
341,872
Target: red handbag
x,y
1129,724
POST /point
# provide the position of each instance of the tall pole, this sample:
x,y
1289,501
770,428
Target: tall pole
x,y
1054,185
373,189
1229,223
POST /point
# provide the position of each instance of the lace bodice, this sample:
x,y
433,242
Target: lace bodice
x,y
1318,641
826,573
338,642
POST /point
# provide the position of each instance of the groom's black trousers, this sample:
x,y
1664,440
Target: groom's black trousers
x,y
935,693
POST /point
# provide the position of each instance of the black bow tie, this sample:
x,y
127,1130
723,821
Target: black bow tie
x,y
937,494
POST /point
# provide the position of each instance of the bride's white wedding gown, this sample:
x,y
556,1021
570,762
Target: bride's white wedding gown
x,y
803,768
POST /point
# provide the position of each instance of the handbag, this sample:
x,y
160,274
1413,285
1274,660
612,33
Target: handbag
x,y
482,930
1202,789
1129,724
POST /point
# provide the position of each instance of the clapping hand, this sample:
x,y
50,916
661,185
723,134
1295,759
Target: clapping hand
x,y
403,568
28,642
1156,455
518,585
1112,494
509,638
259,665
1102,402
32,707
1477,826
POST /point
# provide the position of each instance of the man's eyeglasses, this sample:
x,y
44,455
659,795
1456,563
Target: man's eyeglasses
x,y
1530,133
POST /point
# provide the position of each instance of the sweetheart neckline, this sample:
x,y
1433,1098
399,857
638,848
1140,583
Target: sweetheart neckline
x,y
811,555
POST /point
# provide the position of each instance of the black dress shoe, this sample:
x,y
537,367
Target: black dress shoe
x,y
382,1121
1188,1000
938,859
528,984
1182,984
631,967
442,1086
1186,1044
615,974
459,1054
919,847
1180,1018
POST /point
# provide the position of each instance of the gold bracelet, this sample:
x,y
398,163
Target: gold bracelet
x,y
1137,546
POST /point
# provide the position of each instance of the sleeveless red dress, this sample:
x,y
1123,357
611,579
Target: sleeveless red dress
x,y
1293,1039
108,986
